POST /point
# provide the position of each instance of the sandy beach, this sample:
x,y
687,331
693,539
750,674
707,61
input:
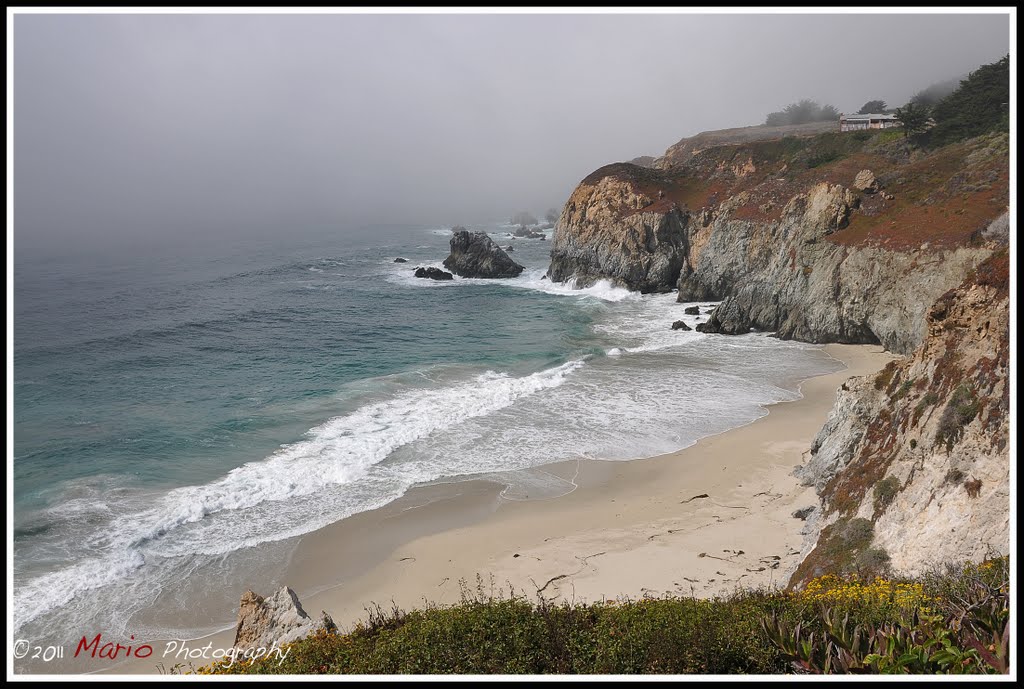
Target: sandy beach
x,y
704,521
628,529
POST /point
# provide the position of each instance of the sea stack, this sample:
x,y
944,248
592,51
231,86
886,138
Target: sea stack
x,y
475,255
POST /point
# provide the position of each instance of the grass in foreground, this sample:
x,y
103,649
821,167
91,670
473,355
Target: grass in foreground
x,y
954,621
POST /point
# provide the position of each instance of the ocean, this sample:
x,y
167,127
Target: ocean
x,y
181,417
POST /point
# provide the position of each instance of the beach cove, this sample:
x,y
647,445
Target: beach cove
x,y
628,529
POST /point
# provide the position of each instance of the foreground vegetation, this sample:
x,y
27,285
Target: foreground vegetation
x,y
955,621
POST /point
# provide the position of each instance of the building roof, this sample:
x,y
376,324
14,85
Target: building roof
x,y
867,116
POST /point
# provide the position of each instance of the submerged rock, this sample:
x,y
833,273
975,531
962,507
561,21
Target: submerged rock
x,y
275,621
692,310
681,325
433,274
401,260
475,255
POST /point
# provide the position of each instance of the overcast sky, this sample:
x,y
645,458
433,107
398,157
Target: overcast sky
x,y
193,126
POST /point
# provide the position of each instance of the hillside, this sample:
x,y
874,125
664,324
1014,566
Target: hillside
x,y
918,454
684,149
951,622
860,237
779,231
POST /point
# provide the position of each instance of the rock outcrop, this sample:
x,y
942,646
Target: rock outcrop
x,y
528,233
681,325
433,274
786,276
865,181
614,227
275,621
777,238
801,238
643,161
728,326
475,255
920,450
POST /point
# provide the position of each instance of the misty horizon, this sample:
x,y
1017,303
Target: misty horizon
x,y
156,128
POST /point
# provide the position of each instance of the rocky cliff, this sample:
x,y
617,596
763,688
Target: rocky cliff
x,y
912,465
855,238
786,276
618,225
836,238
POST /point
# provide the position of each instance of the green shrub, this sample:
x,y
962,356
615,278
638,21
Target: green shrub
x,y
840,542
887,135
903,389
884,492
928,400
963,406
981,104
873,560
965,630
513,636
950,621
884,376
822,158
858,532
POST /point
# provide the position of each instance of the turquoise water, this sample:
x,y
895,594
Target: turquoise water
x,y
176,409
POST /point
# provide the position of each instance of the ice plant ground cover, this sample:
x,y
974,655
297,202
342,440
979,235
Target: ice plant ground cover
x,y
949,621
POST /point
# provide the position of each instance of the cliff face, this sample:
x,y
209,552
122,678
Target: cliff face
x,y
918,453
787,238
786,275
853,238
616,227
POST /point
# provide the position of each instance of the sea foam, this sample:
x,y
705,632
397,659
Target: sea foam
x,y
334,453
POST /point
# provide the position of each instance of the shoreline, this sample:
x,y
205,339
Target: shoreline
x,y
703,520
623,517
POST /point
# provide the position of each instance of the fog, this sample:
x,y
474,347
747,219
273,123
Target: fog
x,y
179,128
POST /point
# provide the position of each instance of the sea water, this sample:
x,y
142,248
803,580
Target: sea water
x,y
175,411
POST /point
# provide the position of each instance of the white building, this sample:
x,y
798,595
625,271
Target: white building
x,y
851,123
